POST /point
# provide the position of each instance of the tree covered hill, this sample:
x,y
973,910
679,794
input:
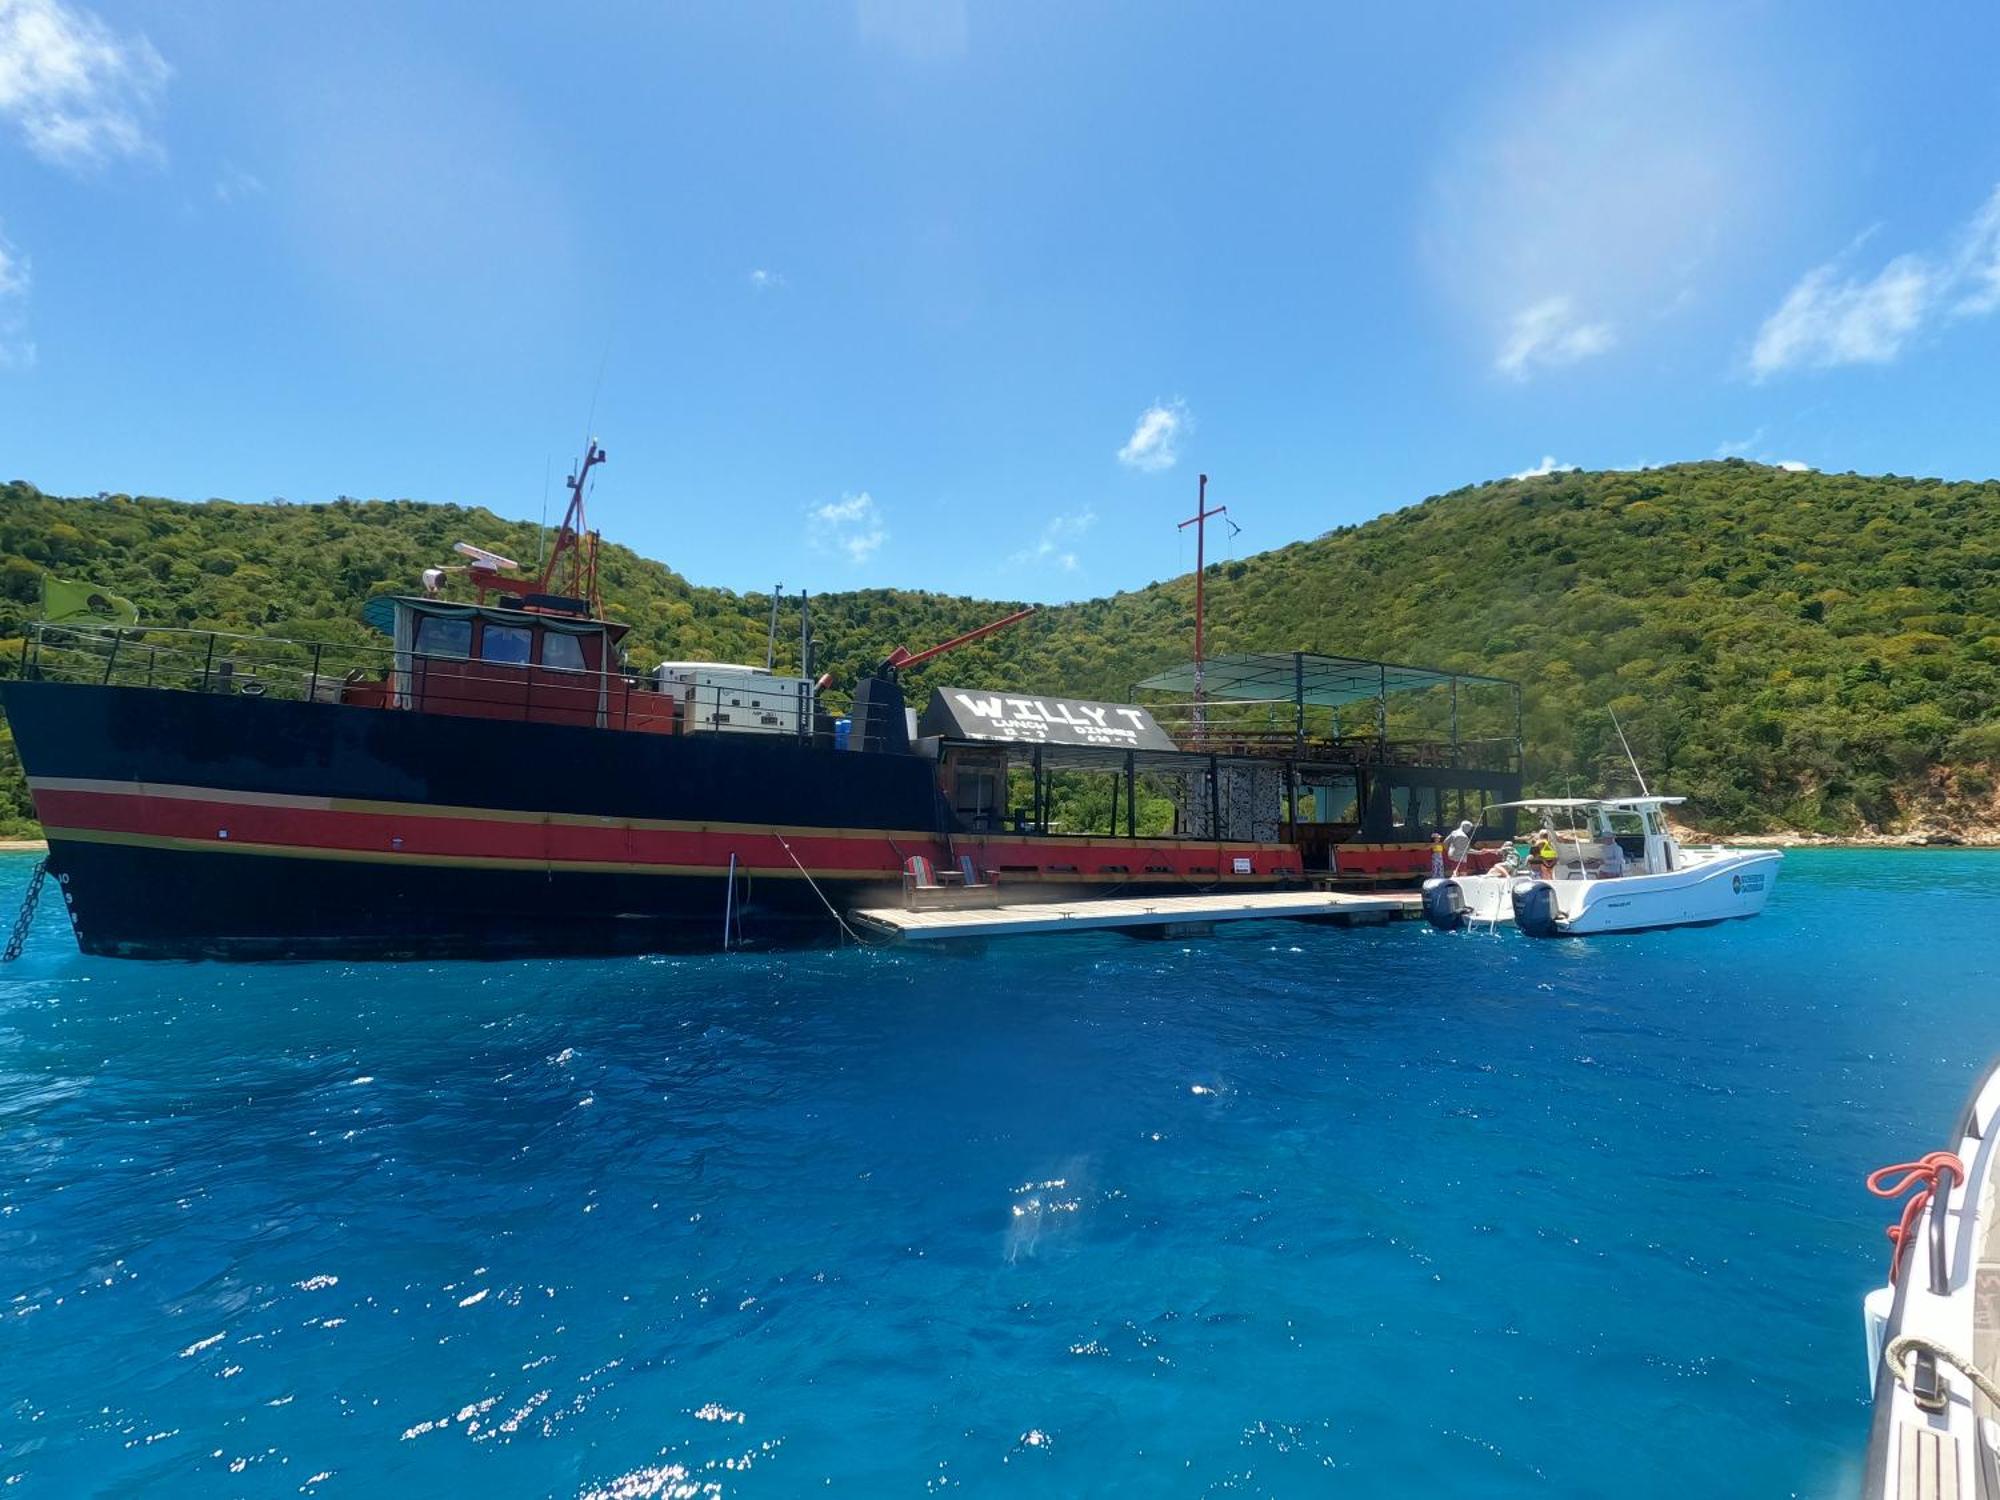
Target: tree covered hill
x,y
1788,649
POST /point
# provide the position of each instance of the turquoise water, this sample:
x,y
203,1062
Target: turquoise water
x,y
1295,1210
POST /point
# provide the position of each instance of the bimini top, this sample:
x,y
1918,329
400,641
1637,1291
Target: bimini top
x,y
1577,804
1304,677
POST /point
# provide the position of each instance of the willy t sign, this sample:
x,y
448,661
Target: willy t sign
x,y
959,713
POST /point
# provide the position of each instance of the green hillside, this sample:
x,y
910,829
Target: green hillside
x,y
1800,650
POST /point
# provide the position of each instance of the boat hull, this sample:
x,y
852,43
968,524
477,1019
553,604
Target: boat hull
x,y
1454,902
1713,887
1942,1298
212,825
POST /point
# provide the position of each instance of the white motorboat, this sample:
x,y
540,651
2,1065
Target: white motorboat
x,y
1933,1331
1616,869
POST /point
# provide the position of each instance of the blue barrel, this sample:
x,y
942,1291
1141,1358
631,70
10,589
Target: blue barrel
x,y
841,729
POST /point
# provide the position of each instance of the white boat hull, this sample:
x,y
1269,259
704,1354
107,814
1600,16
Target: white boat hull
x,y
1714,885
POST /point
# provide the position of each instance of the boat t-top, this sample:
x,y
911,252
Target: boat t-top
x,y
1611,867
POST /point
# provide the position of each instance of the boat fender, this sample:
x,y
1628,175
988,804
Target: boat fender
x,y
1444,904
1534,907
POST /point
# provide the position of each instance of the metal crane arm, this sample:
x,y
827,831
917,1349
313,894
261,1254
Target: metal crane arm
x,y
902,656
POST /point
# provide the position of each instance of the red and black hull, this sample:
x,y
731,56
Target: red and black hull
x,y
215,825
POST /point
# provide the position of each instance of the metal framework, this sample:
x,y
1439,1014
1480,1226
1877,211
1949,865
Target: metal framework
x,y
1310,679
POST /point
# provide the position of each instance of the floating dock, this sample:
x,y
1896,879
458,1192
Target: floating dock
x,y
1141,916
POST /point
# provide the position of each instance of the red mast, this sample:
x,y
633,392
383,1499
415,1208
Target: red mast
x,y
1199,521
580,580
579,546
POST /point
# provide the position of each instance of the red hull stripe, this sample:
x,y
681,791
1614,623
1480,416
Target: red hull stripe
x,y
393,833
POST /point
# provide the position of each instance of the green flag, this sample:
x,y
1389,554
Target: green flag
x,y
84,604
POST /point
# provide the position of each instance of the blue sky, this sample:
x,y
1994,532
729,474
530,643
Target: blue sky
x,y
962,296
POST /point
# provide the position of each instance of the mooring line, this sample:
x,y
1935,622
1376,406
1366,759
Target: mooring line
x,y
826,903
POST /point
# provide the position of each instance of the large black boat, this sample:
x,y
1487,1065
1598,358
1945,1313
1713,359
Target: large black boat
x,y
497,780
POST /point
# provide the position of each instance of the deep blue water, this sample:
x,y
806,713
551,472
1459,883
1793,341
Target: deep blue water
x,y
1296,1210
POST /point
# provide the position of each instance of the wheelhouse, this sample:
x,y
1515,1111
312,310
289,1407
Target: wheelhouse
x,y
1578,826
487,662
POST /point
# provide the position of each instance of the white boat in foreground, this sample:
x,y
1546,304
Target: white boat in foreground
x,y
1616,869
1933,1331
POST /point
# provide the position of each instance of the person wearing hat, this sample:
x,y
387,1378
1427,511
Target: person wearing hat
x,y
1437,855
1610,856
1458,847
1545,852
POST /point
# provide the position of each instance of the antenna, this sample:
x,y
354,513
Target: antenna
x,y
1629,756
1199,521
574,538
771,641
542,529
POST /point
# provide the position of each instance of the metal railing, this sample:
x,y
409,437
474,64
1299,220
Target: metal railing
x,y
254,666
216,661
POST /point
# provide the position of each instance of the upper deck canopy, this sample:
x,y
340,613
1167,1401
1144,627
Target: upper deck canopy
x,y
1305,677
1580,804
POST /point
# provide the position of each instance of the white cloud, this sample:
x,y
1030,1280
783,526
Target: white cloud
x,y
1055,547
852,525
1753,449
233,184
1731,450
1155,441
1832,318
1547,466
1587,197
17,352
1829,320
1549,334
762,280
78,93
920,30
1978,261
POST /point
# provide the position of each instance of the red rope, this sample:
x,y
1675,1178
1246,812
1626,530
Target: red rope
x,y
1923,1176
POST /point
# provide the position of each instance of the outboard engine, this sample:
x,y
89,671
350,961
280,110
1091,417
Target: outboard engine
x,y
1444,904
1534,907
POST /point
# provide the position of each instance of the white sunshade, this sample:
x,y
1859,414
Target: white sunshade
x,y
1577,804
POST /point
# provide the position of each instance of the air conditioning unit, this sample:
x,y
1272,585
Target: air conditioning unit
x,y
718,697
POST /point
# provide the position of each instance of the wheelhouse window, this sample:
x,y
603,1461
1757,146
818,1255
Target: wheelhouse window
x,y
562,650
438,636
506,643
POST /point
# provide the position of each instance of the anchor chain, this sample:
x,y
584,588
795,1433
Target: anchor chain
x,y
27,917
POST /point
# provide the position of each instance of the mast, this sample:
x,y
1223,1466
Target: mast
x,y
580,578
1199,521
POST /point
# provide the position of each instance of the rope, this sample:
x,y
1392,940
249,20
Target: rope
x,y
1905,1343
1923,1175
26,919
864,942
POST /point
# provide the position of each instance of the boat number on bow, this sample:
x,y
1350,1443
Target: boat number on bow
x,y
1742,883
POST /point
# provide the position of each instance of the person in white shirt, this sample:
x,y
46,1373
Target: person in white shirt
x,y
1610,857
1459,845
